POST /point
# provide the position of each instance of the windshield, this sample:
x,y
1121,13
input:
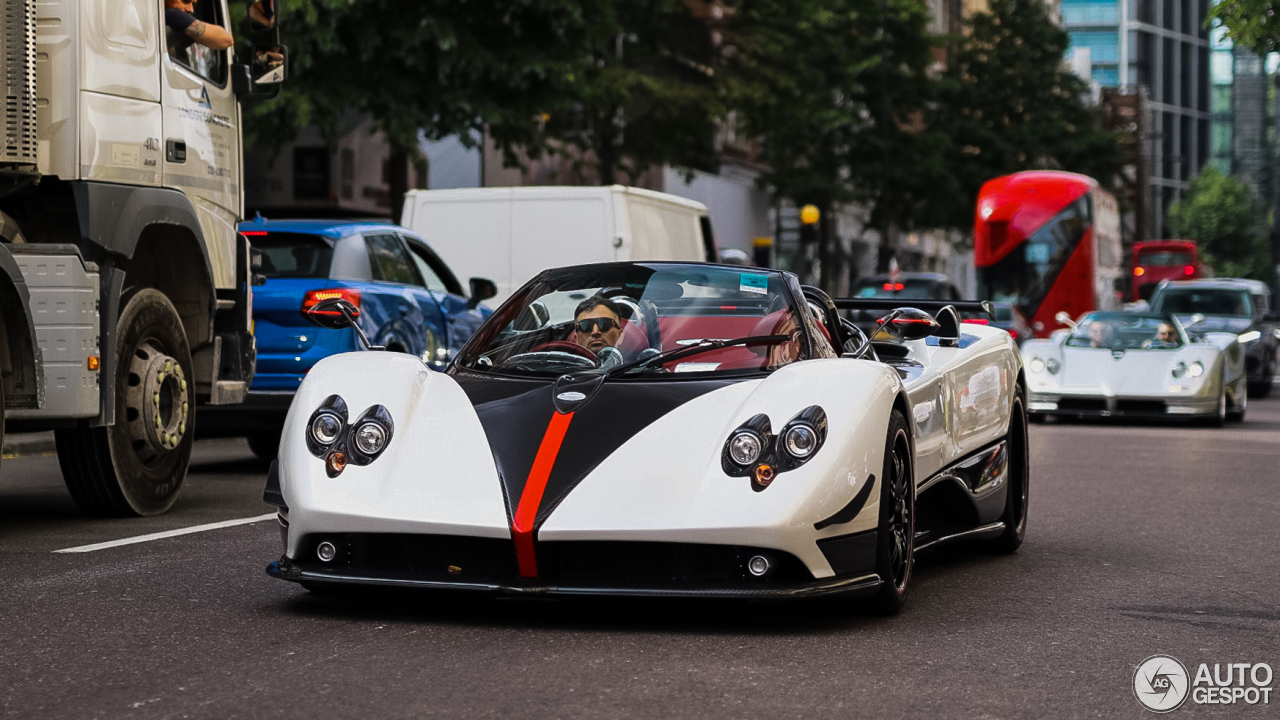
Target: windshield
x,y
293,255
902,289
630,318
1209,301
1124,331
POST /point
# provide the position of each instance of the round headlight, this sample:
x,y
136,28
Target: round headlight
x,y
1179,369
1053,366
1196,369
325,428
370,438
800,441
744,448
1036,365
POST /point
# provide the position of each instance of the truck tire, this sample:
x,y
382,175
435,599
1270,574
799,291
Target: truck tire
x,y
1,420
137,465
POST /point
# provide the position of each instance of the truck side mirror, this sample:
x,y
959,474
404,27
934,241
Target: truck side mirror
x,y
481,289
267,56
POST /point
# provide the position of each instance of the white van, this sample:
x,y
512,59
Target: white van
x,y
510,234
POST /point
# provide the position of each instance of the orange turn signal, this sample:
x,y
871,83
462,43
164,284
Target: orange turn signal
x,y
764,475
95,362
337,462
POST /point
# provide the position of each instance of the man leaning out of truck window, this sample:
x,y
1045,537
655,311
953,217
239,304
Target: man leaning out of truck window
x,y
185,30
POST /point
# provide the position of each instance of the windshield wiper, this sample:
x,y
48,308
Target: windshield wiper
x,y
701,347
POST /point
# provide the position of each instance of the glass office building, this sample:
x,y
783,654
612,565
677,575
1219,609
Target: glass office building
x,y
1159,48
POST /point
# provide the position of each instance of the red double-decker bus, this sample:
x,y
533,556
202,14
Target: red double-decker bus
x,y
1048,242
1156,260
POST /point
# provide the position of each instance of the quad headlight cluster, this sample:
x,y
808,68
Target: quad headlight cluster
x,y
1194,370
754,451
339,443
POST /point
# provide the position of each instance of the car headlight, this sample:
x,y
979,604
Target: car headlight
x,y
1036,365
1248,337
1195,370
325,428
1179,369
745,447
1053,366
800,441
370,438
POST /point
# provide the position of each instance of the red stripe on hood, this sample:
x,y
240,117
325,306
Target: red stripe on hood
x,y
531,497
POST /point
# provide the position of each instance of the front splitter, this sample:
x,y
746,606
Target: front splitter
x,y
861,585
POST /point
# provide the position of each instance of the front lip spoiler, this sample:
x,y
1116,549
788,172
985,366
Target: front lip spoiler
x,y
861,585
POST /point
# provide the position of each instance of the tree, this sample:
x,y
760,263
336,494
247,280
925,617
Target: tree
x,y
1009,104
436,67
834,90
1222,214
645,95
1252,23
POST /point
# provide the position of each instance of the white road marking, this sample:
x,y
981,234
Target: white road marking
x,y
167,534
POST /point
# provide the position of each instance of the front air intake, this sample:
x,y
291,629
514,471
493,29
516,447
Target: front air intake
x,y
18,50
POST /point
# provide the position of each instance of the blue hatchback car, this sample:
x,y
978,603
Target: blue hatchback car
x,y
408,298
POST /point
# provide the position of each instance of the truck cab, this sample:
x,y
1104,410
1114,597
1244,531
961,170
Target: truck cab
x,y
125,289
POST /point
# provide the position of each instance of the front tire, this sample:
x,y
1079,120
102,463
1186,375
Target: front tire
x,y
895,534
1017,491
1262,388
1219,418
1237,412
137,465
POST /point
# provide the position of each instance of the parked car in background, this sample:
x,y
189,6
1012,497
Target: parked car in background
x,y
409,301
904,286
1232,305
1006,317
1158,260
511,234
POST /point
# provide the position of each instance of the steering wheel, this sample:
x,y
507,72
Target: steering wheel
x,y
565,346
863,348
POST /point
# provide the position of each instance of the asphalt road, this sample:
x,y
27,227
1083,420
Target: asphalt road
x,y
1142,540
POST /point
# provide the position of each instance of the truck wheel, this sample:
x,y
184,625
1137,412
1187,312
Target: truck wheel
x,y
1,419
136,466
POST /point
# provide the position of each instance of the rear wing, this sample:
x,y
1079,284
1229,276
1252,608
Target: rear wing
x,y
930,306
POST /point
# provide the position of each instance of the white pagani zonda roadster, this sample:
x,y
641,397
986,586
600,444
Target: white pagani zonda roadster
x,y
657,429
1113,364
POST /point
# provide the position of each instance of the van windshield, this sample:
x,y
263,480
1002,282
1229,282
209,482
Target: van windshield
x,y
653,320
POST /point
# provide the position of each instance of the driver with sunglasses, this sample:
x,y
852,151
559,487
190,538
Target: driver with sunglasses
x,y
597,324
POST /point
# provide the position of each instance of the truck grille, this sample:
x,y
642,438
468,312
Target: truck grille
x,y
18,51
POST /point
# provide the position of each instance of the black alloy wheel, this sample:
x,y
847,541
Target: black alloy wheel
x,y
1017,487
137,465
895,535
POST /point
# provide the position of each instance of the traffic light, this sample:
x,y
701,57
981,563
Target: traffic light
x,y
809,217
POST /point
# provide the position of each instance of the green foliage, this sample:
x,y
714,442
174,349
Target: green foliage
x,y
834,90
645,94
1009,105
1252,23
440,66
1222,214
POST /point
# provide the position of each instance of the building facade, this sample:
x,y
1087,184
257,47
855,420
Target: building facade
x,y
1159,49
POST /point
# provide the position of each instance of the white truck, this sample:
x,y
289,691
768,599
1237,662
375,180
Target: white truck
x,y
510,234
125,290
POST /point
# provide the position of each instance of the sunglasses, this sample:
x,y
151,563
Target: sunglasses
x,y
604,324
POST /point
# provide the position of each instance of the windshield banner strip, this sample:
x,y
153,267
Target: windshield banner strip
x,y
527,511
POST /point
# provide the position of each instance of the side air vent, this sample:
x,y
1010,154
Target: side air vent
x,y
18,51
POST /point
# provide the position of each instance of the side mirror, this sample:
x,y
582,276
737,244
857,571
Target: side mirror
x,y
333,314
481,289
912,324
268,57
1064,318
256,278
